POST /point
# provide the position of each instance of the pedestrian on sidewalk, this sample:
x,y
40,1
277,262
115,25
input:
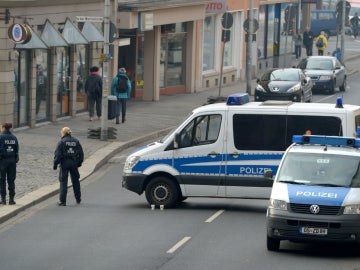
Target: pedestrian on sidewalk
x,y
308,40
69,154
121,88
9,156
298,39
321,43
93,89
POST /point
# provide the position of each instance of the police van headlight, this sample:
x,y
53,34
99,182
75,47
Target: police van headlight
x,y
278,204
353,209
131,162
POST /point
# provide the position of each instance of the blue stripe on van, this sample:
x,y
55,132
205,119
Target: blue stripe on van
x,y
333,196
211,165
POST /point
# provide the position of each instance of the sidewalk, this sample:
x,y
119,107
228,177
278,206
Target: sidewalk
x,y
37,181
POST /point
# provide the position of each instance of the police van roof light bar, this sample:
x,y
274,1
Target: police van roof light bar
x,y
238,99
326,140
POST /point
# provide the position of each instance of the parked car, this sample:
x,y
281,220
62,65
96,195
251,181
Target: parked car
x,y
284,84
326,72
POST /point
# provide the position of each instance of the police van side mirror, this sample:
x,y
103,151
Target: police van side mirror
x,y
176,141
268,174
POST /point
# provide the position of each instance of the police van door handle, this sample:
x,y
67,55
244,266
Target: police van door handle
x,y
213,154
235,154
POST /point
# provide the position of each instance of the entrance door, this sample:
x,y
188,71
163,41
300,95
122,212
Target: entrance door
x,y
21,85
63,78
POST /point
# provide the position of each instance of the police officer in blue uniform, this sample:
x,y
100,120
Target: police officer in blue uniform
x,y
69,154
9,156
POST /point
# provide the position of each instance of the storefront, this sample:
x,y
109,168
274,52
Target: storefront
x,y
161,57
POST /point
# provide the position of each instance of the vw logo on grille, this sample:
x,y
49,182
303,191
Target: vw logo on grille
x,y
314,209
276,89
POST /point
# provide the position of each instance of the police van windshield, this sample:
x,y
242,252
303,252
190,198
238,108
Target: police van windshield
x,y
320,170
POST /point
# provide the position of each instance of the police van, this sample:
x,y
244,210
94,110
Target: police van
x,y
223,149
316,192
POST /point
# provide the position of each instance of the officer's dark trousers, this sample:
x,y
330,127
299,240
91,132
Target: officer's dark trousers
x,y
7,172
63,178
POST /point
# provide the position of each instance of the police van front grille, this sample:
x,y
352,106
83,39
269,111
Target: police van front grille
x,y
305,209
315,78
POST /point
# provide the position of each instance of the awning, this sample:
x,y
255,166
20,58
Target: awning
x,y
72,35
34,43
52,37
91,33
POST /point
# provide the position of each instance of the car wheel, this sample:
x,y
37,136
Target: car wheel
x,y
162,191
343,86
272,244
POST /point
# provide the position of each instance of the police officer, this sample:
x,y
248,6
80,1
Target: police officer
x,y
9,156
69,154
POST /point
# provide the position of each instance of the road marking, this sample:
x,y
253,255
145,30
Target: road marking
x,y
218,213
179,244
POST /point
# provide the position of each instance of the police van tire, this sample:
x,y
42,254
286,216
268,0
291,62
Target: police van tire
x,y
162,191
272,244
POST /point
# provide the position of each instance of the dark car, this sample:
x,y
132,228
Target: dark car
x,y
284,84
326,72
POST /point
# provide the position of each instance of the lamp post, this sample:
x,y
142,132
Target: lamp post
x,y
248,48
105,91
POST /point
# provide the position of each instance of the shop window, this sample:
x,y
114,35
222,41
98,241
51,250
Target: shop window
x,y
209,43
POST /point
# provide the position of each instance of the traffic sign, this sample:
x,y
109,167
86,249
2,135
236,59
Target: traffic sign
x,y
227,20
247,27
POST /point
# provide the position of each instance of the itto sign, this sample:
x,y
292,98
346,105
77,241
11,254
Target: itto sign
x,y
216,6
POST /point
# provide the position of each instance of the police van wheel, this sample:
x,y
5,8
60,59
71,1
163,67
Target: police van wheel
x,y
272,244
162,191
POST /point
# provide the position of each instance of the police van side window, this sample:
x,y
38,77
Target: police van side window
x,y
200,131
318,125
259,132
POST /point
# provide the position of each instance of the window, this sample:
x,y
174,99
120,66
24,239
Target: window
x,y
259,132
200,131
274,132
209,43
318,125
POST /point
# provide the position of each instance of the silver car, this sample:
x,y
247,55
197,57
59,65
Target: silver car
x,y
326,72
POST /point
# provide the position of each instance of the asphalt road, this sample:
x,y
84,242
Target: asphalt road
x,y
116,229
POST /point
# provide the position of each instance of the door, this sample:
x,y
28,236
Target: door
x,y
256,144
199,158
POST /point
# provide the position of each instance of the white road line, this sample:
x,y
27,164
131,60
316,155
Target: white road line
x,y
179,244
218,213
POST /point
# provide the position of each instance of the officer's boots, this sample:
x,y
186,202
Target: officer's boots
x,y
11,200
117,120
3,200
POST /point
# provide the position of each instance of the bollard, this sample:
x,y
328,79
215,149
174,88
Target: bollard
x,y
153,207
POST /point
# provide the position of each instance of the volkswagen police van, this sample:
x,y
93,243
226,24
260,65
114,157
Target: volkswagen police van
x,y
223,149
316,192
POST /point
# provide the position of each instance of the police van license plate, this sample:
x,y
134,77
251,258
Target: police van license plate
x,y
311,230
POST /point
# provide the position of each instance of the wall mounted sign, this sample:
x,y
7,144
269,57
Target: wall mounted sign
x,y
19,33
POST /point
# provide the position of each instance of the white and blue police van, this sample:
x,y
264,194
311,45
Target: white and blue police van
x,y
223,149
316,192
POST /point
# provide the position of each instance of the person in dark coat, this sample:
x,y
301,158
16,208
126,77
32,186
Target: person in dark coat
x,y
70,155
122,96
308,40
9,156
93,89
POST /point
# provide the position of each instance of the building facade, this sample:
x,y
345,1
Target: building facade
x,y
167,47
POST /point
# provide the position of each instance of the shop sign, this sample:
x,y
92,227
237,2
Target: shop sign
x,y
218,6
19,33
89,19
